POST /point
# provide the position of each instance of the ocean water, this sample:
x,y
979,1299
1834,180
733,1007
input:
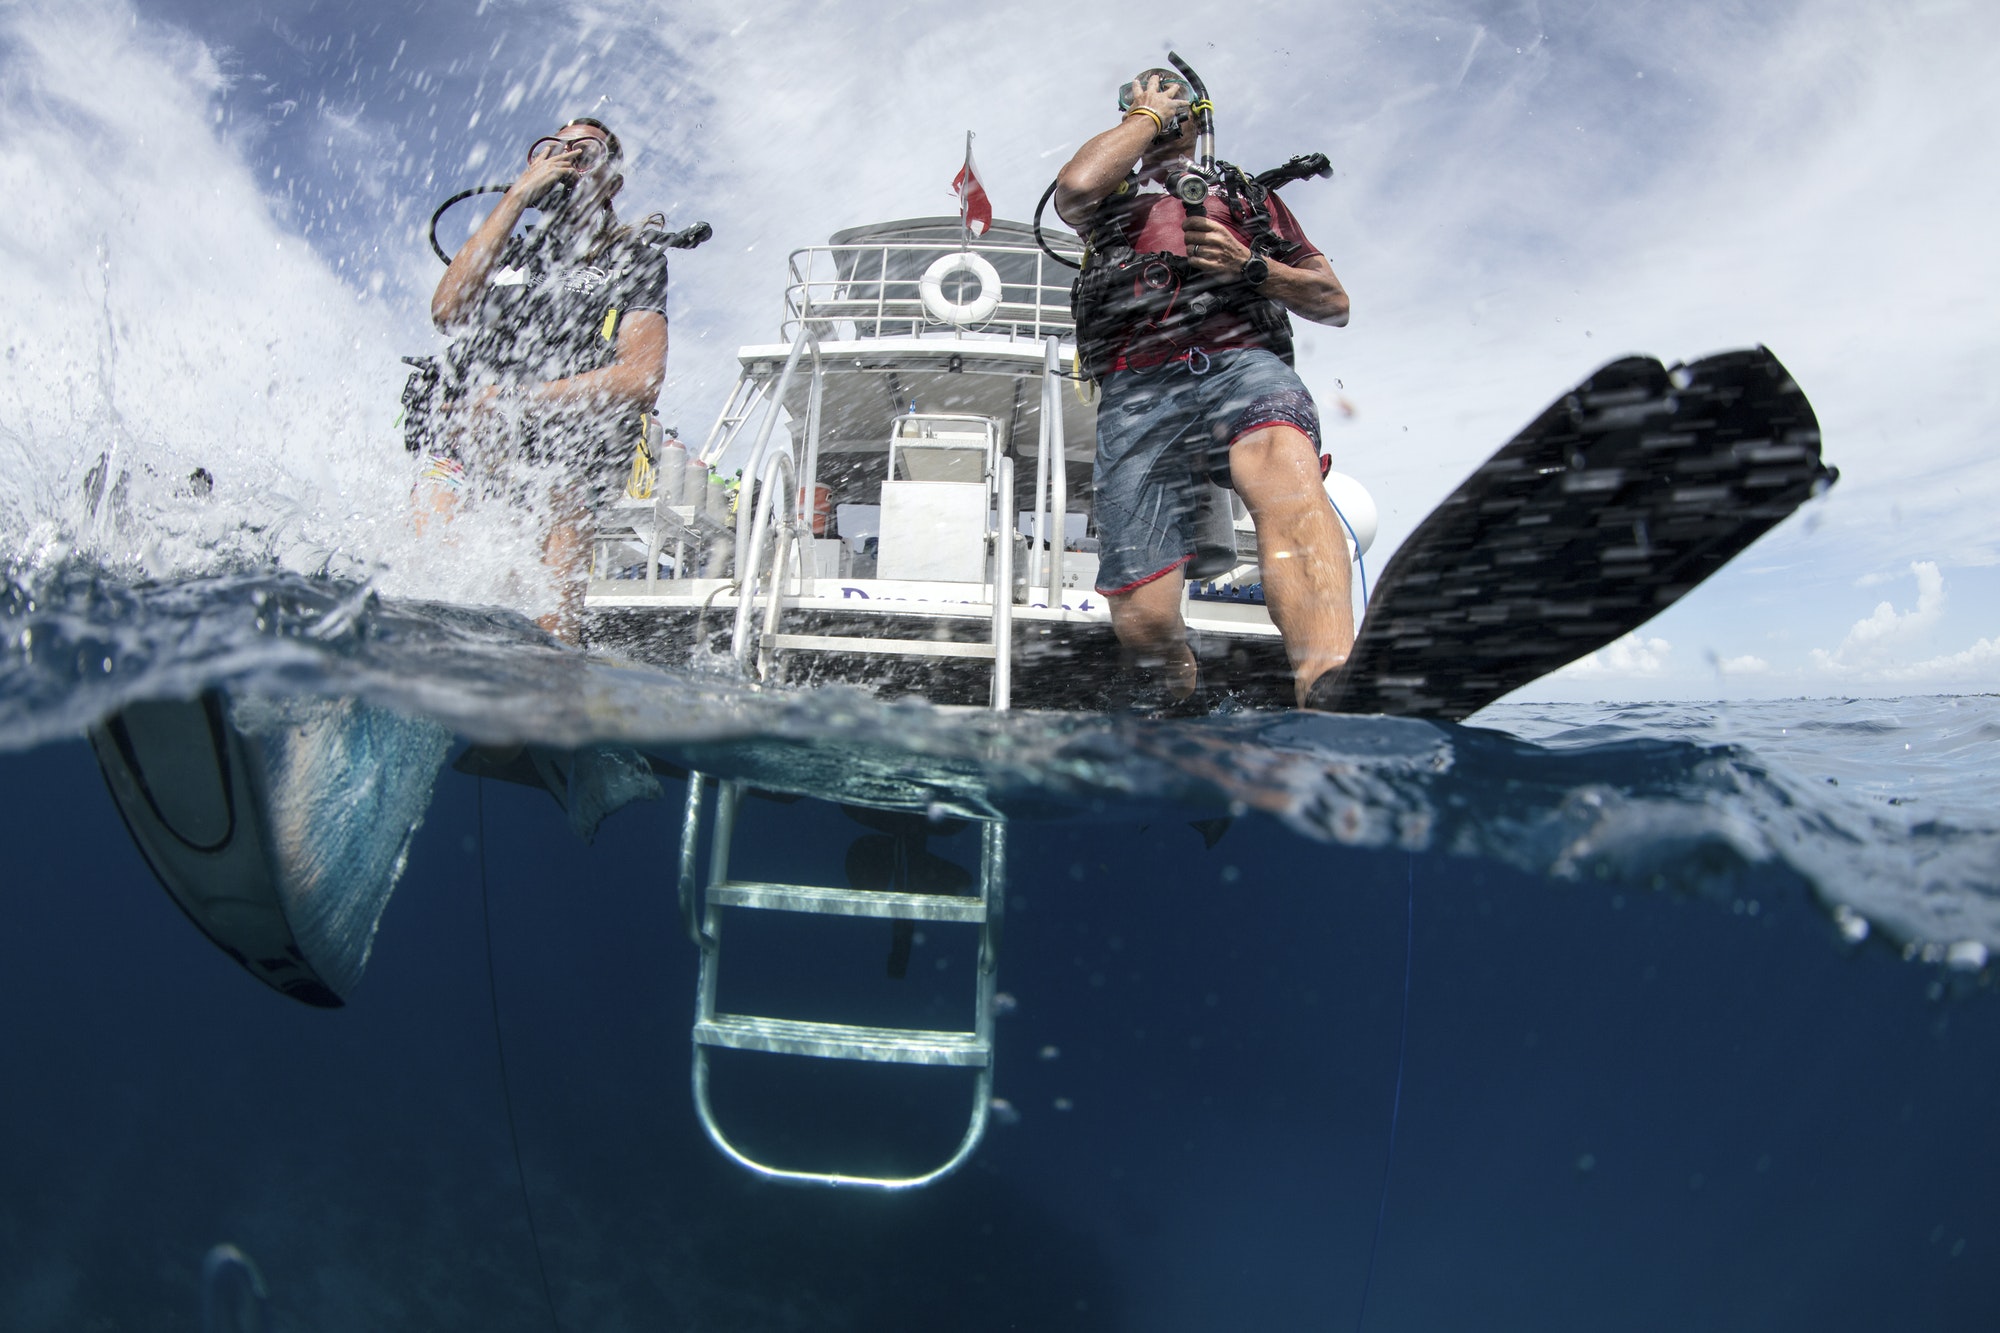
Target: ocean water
x,y
1682,1014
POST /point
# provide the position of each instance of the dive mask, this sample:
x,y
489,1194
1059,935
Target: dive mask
x,y
1170,83
589,150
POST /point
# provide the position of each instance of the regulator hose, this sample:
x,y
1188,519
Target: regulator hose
x,y
437,249
685,239
1042,240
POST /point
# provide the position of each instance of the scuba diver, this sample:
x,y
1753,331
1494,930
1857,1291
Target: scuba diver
x,y
1190,272
559,348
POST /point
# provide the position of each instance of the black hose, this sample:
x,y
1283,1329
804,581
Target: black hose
x,y
686,239
1302,167
501,188
1042,240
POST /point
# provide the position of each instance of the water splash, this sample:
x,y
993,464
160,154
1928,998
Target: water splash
x,y
1899,844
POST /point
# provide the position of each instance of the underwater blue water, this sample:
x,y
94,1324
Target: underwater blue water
x,y
1701,1026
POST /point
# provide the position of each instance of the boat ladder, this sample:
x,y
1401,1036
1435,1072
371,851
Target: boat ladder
x,y
776,527
702,911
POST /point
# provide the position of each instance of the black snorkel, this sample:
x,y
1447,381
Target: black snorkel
x,y
1204,116
1190,184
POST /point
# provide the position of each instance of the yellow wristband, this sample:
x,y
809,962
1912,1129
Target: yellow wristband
x,y
1159,125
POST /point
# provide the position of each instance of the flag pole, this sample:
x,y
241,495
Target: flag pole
x,y
965,203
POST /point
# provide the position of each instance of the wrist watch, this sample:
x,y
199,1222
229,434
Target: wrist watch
x,y
1255,269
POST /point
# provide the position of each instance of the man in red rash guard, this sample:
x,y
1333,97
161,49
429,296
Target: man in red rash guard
x,y
1186,330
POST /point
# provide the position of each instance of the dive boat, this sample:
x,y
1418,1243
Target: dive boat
x,y
923,528
927,387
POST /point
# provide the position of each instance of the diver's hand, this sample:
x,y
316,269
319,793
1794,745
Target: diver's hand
x,y
545,174
1151,96
1213,248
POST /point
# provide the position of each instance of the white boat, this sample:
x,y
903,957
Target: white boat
x,y
922,527
926,383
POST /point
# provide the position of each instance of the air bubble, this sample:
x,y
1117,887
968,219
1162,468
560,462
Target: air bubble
x,y
1966,956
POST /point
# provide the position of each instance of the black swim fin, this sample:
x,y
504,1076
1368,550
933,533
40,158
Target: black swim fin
x,y
1613,504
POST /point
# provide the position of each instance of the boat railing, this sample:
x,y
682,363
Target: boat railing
x,y
876,291
1046,518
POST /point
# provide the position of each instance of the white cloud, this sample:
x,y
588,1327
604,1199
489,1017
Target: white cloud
x,y
1874,639
1747,665
1622,659
1874,650
1975,668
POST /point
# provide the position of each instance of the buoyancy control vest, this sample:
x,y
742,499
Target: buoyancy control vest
x,y
542,319
1121,291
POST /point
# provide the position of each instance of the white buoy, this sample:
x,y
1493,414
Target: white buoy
x,y
1355,505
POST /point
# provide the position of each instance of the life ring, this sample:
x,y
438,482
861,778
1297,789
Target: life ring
x,y
976,311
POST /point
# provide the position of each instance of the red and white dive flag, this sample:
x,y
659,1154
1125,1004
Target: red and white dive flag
x,y
975,210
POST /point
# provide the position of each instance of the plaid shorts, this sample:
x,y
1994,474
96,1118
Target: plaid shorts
x,y
1162,434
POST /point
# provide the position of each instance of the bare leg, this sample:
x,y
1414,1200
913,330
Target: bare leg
x,y
566,551
432,502
1301,548
1153,635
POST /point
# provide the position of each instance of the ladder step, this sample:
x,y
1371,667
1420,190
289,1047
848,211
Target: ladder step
x,y
842,1041
828,643
848,902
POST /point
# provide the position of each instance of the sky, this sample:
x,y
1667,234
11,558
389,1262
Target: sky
x,y
213,252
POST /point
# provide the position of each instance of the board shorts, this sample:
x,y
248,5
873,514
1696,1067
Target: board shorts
x,y
1163,434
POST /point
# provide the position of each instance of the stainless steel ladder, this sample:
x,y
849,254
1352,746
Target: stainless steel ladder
x,y
702,911
999,649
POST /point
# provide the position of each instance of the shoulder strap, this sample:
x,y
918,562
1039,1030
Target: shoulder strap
x,y
1106,234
